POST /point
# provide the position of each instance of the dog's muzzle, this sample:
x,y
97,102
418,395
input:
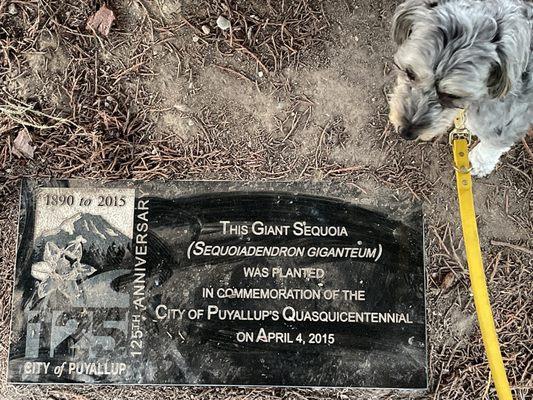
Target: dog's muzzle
x,y
407,133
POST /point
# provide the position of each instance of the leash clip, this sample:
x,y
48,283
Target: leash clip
x,y
460,134
460,130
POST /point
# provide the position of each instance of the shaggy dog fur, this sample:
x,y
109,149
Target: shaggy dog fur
x,y
470,54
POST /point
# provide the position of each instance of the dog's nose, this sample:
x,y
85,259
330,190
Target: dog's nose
x,y
407,133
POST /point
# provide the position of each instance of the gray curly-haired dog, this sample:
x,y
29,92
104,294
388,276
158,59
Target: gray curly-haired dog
x,y
470,54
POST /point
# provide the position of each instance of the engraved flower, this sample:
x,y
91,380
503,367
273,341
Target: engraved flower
x,y
61,269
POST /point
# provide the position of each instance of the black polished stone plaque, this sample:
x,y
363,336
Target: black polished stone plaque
x,y
264,284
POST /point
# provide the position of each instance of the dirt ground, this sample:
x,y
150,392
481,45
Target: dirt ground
x,y
294,90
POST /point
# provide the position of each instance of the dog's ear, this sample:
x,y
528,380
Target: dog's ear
x,y
513,47
499,82
405,16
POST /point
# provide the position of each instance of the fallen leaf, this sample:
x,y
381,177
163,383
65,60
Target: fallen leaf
x,y
447,281
101,21
22,146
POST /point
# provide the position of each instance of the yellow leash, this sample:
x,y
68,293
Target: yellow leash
x,y
460,138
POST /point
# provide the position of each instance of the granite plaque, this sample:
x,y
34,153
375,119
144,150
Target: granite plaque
x,y
218,283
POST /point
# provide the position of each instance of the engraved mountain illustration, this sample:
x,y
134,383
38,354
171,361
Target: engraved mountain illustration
x,y
104,246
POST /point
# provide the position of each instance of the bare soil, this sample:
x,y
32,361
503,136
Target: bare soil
x,y
295,90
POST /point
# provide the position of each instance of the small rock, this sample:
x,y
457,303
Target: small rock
x,y
195,39
206,30
223,23
260,74
190,122
101,21
447,281
22,146
12,9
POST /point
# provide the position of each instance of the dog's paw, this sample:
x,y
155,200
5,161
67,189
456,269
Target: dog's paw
x,y
483,159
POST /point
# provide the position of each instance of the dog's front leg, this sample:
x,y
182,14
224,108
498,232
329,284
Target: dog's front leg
x,y
485,156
